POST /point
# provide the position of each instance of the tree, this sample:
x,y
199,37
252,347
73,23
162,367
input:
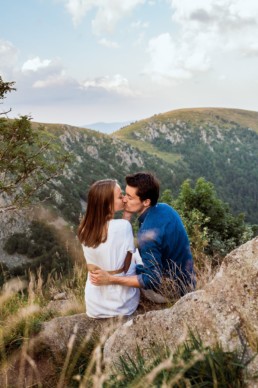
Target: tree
x,y
5,87
29,157
208,220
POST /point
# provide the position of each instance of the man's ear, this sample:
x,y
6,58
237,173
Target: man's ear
x,y
147,202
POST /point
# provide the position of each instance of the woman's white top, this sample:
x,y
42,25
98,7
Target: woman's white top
x,y
112,300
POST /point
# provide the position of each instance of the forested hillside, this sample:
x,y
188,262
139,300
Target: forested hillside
x,y
94,156
220,145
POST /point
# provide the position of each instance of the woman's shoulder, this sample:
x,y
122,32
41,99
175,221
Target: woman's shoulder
x,y
120,224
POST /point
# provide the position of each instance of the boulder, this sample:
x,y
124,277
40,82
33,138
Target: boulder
x,y
60,342
57,335
225,311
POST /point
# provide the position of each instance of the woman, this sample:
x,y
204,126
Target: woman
x,y
108,244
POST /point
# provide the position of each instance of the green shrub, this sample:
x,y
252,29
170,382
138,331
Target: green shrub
x,y
208,220
12,243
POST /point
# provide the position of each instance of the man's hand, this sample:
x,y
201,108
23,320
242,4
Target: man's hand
x,y
100,277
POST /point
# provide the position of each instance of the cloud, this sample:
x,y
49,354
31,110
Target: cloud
x,y
54,80
206,32
169,60
108,12
78,9
35,64
233,24
8,58
108,43
116,83
45,73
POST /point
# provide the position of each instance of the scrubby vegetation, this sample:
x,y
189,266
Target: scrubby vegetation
x,y
23,309
211,226
48,248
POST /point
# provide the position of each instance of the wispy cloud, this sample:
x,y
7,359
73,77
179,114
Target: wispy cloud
x,y
168,59
108,43
35,64
116,83
8,57
108,12
45,73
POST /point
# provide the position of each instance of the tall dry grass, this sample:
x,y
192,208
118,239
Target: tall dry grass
x,y
23,308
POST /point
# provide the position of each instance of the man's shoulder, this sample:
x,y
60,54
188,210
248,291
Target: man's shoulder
x,y
163,208
160,215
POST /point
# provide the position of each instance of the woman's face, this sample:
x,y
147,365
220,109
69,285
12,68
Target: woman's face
x,y
118,199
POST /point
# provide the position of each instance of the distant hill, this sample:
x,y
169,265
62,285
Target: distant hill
x,y
106,127
220,145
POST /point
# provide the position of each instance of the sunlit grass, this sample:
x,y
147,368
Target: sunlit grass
x,y
152,150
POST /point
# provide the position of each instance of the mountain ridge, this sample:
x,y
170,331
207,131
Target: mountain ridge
x,y
225,113
213,143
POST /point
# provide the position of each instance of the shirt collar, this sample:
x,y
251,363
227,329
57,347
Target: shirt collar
x,y
143,216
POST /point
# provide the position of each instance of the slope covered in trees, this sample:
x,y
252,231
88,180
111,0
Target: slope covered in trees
x,y
220,145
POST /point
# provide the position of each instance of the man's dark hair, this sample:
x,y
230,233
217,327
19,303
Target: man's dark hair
x,y
147,186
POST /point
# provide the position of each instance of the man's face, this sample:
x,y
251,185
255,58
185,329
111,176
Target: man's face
x,y
132,202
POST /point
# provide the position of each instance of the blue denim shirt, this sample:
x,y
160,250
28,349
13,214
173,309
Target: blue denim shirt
x,y
164,248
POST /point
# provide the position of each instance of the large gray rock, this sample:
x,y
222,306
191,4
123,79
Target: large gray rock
x,y
60,342
57,335
225,311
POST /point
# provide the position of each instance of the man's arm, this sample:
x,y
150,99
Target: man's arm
x,y
101,277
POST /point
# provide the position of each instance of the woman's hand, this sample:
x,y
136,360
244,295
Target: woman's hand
x,y
99,277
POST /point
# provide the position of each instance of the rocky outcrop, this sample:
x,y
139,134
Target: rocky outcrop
x,y
77,331
225,311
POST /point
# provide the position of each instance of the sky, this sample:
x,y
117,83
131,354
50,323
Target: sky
x,y
84,61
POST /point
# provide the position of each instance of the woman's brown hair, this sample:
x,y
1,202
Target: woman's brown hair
x,y
100,208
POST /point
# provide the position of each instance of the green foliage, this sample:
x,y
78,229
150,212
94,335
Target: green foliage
x,y
192,365
29,157
5,87
23,328
46,246
208,220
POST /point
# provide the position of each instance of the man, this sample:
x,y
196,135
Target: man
x,y
162,241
